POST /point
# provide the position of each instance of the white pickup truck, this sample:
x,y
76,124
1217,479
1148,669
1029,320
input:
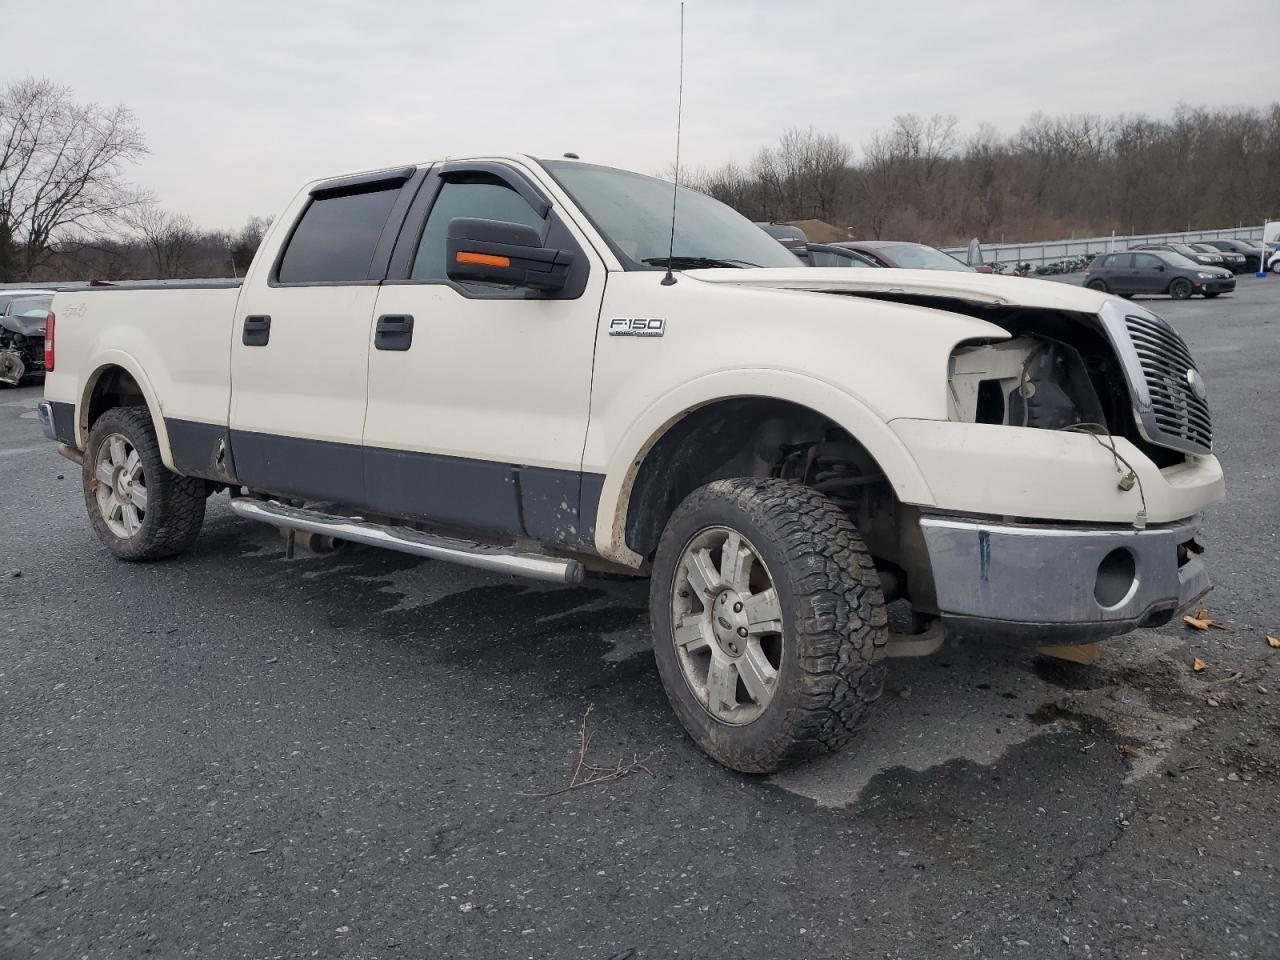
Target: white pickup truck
x,y
508,362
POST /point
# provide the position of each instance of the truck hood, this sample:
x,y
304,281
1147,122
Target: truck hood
x,y
978,288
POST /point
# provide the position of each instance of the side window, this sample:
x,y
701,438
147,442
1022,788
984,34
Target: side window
x,y
336,237
1121,261
1145,261
480,195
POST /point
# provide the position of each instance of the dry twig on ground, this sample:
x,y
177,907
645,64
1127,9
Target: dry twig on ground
x,y
594,773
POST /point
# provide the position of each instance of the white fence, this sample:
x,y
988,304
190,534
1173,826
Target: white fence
x,y
1052,250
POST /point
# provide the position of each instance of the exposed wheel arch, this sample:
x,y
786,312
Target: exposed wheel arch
x,y
117,383
733,437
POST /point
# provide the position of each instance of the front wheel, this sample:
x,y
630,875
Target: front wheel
x,y
1180,289
769,626
139,508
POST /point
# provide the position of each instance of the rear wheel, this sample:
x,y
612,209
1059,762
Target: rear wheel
x,y
768,622
139,508
1180,289
1098,285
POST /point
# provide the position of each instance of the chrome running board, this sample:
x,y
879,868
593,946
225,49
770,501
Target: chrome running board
x,y
409,540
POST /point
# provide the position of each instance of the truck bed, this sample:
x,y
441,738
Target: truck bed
x,y
173,339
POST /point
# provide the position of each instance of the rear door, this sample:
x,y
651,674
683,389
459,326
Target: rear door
x,y
479,394
299,355
1119,273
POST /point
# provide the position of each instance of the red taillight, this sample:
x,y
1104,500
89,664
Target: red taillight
x,y
48,344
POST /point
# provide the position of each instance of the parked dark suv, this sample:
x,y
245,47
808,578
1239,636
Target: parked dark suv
x,y
1212,260
1155,272
1252,255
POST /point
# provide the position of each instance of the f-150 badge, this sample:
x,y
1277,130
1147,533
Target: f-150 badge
x,y
636,327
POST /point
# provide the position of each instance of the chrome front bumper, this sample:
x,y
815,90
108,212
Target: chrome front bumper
x,y
1061,582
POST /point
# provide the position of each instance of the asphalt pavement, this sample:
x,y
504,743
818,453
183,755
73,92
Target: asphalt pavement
x,y
363,755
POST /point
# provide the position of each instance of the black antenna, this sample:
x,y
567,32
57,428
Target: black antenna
x,y
675,186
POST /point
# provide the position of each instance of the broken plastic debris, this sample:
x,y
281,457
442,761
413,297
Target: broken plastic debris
x,y
1198,665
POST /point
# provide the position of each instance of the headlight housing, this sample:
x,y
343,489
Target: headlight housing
x,y
1023,382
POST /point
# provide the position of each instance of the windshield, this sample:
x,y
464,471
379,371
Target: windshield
x,y
916,256
633,214
824,258
6,298
29,307
1178,260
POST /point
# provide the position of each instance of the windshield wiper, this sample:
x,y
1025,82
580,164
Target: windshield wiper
x,y
679,262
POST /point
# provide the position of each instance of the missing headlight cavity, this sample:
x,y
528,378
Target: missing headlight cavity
x,y
1023,382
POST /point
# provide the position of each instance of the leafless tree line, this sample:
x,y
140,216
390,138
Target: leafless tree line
x,y
1056,177
68,209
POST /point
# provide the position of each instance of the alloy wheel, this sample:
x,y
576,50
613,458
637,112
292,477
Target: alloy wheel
x,y
727,625
121,489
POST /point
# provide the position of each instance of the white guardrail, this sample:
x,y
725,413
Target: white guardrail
x,y
1050,251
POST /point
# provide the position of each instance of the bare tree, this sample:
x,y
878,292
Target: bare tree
x,y
805,176
62,171
170,239
246,241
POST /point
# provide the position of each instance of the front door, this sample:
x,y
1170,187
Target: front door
x,y
1150,274
479,394
299,355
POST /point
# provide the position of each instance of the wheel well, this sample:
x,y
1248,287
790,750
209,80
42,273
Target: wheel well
x,y
743,437
115,387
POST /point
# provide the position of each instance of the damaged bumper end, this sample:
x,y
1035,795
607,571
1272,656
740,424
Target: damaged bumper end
x,y
1061,583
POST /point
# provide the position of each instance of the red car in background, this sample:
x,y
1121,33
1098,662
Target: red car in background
x,y
905,255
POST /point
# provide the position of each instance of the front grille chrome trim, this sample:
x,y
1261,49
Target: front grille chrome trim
x,y
1157,363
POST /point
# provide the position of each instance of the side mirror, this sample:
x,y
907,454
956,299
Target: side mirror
x,y
511,254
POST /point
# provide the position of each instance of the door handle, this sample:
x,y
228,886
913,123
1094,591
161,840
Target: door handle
x,y
393,332
257,330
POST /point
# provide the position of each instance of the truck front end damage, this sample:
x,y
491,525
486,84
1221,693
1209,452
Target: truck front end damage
x,y
1087,524
1065,460
1063,583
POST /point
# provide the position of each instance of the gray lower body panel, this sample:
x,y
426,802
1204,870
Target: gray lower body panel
x,y
1061,583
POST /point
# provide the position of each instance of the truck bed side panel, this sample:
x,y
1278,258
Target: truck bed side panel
x,y
174,342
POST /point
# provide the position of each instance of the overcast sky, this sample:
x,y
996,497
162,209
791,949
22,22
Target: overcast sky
x,y
243,101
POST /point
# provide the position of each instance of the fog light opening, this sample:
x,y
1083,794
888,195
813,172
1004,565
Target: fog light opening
x,y
1117,577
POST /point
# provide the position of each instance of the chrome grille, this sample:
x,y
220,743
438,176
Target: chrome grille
x,y
1177,417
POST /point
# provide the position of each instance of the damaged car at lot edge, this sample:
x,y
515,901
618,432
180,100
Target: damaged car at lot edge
x,y
516,364
22,332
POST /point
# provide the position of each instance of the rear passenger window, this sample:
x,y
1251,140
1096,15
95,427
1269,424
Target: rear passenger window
x,y
335,239
479,195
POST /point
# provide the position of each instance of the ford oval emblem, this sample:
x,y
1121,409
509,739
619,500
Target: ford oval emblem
x,y
1196,383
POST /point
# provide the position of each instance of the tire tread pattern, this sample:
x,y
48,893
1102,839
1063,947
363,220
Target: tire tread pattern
x,y
175,503
840,628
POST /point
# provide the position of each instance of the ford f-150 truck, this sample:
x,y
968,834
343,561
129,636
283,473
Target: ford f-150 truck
x,y
514,363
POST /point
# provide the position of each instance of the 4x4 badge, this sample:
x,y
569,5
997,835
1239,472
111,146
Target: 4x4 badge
x,y
624,327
